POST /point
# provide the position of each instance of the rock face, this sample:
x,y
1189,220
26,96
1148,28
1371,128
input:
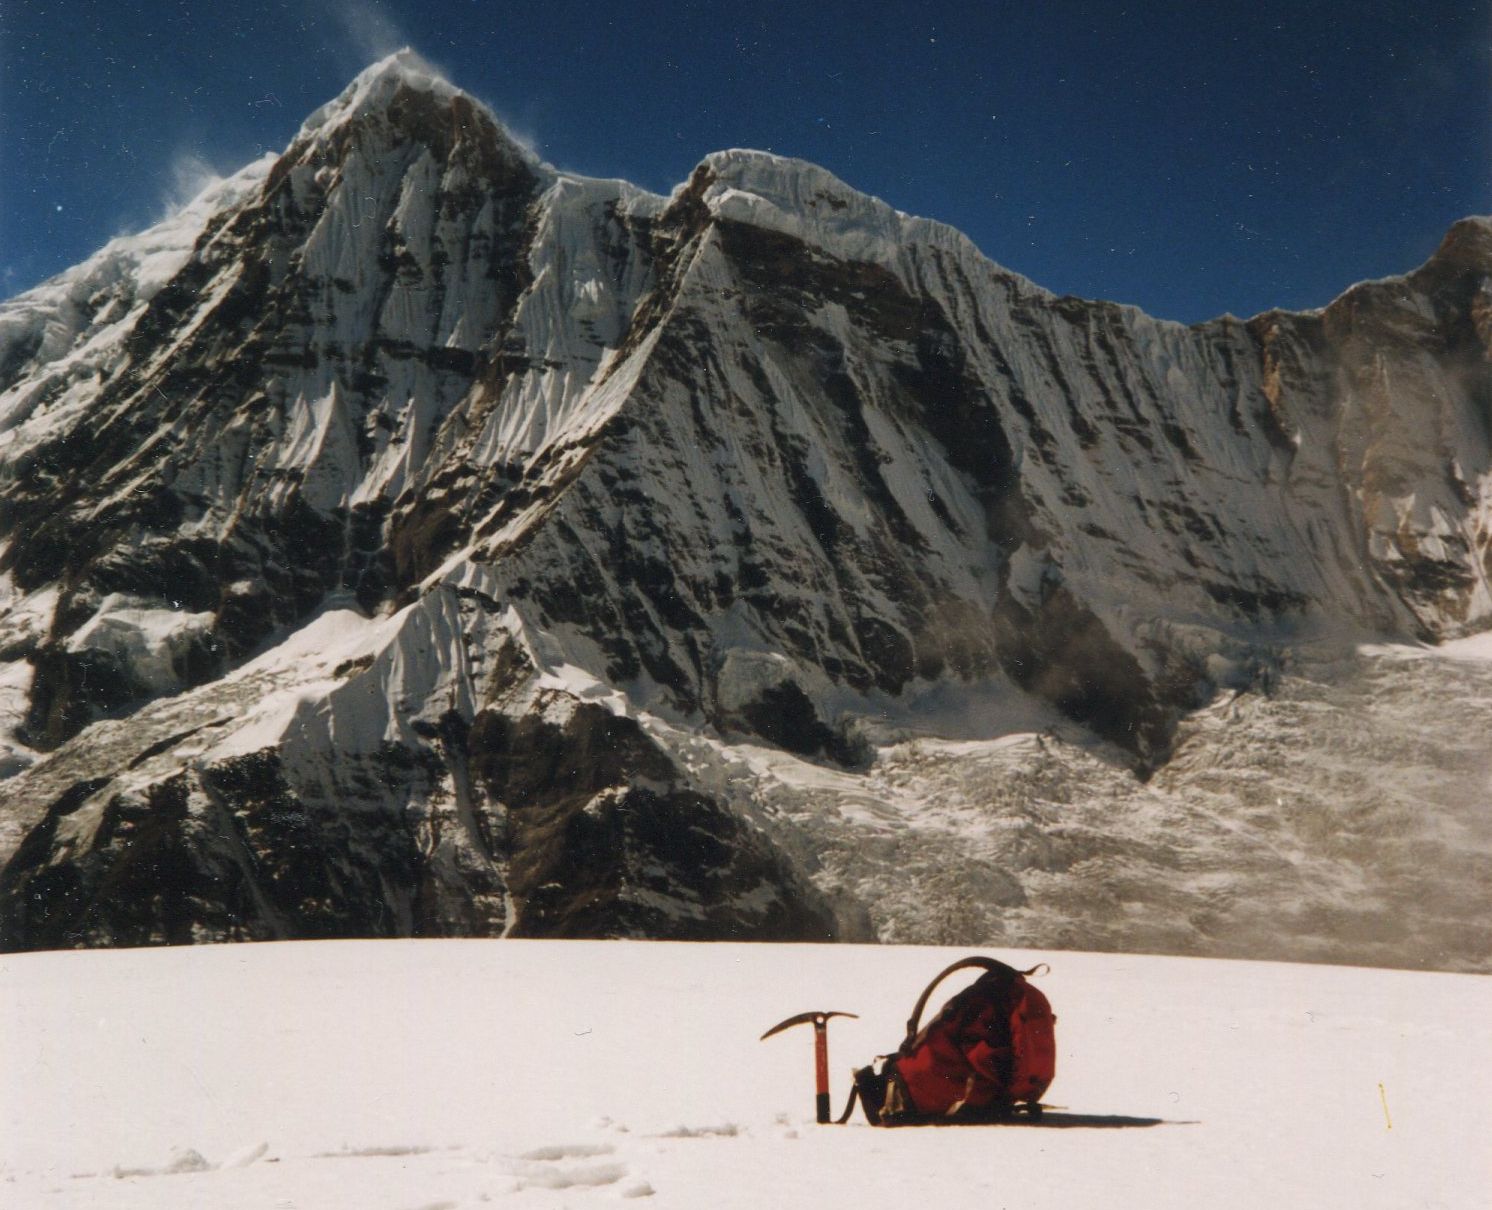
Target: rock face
x,y
366,528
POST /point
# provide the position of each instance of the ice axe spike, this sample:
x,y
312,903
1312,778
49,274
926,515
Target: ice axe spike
x,y
820,1021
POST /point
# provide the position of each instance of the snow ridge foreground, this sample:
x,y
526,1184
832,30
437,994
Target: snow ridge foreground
x,y
409,1076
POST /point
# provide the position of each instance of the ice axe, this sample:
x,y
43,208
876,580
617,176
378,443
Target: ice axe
x,y
820,1052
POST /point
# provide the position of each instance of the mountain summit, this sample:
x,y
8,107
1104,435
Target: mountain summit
x,y
411,538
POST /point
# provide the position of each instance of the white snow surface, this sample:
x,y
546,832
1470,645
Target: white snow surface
x,y
416,1075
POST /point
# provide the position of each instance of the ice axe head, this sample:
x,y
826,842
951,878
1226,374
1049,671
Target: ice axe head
x,y
820,1023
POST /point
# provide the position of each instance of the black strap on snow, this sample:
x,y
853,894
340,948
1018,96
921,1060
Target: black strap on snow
x,y
849,1106
990,965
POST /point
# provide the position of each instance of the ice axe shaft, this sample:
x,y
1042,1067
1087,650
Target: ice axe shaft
x,y
820,1023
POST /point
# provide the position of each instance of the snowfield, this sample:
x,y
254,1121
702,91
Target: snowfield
x,y
425,1075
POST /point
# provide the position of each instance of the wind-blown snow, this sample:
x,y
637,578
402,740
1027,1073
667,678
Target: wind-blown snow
x,y
409,1076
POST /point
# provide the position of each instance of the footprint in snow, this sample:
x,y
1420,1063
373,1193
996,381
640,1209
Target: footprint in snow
x,y
394,1151
726,1130
544,1168
183,1161
245,1156
568,1151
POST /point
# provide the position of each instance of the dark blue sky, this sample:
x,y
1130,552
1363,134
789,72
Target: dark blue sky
x,y
1189,157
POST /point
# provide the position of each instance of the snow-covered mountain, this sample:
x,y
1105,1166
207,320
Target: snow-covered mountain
x,y
410,538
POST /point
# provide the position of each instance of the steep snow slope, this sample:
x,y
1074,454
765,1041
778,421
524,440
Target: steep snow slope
x,y
377,535
395,1076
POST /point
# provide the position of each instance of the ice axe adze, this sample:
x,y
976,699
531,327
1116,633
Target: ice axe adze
x,y
820,1052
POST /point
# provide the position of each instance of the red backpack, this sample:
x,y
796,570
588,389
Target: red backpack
x,y
989,1052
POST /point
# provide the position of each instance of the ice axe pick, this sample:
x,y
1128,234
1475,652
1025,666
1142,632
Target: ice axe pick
x,y
820,1052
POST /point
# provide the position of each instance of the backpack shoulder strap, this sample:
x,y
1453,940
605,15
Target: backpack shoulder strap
x,y
849,1106
990,965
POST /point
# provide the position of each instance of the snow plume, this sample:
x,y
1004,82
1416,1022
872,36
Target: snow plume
x,y
520,131
368,32
185,176
189,175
